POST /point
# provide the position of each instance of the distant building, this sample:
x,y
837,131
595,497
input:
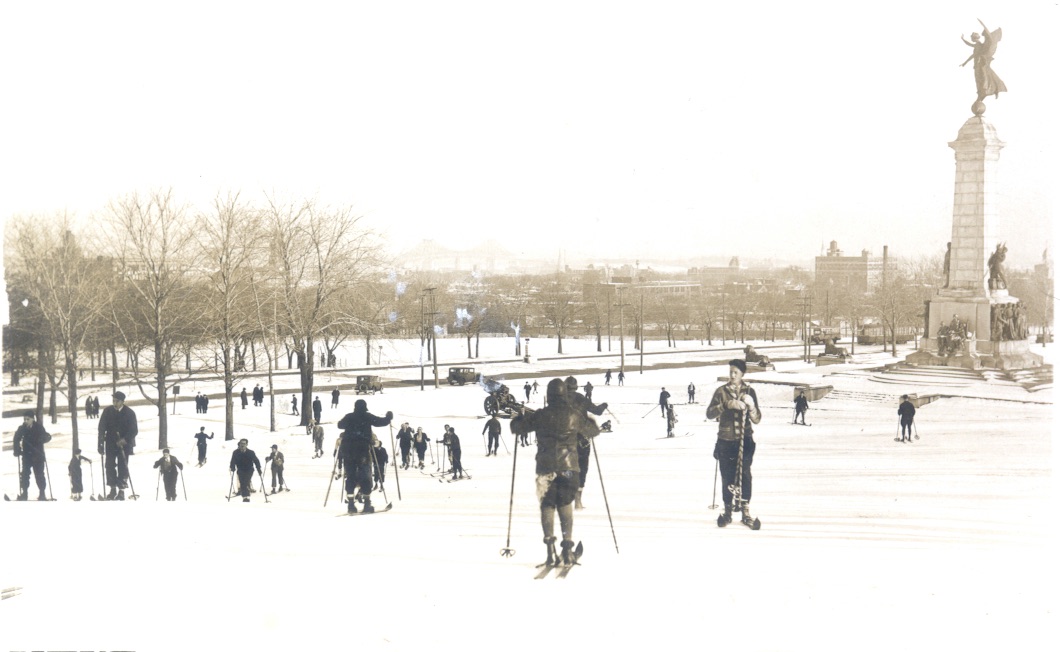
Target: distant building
x,y
862,273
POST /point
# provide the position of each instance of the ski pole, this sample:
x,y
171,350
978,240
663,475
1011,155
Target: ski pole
x,y
915,432
897,428
507,551
128,476
505,444
397,480
375,467
92,475
156,484
600,473
48,474
650,411
264,493
714,498
331,476
19,458
613,415
181,471
231,485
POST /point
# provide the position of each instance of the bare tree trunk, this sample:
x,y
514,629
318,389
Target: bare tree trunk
x,y
160,388
306,366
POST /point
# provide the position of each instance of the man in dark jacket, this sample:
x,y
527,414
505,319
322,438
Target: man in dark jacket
x,y
801,405
664,400
243,398
318,409
117,437
404,440
169,467
244,462
493,430
451,441
29,442
906,412
335,397
355,452
200,443
557,426
735,407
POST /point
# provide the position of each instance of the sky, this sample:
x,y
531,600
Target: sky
x,y
607,130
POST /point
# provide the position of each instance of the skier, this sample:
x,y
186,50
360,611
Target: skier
x,y
691,392
735,407
801,405
493,426
451,441
74,469
318,408
168,466
557,426
355,452
671,420
588,390
906,412
535,386
419,442
585,404
117,437
381,458
243,463
607,377
276,457
318,440
29,442
200,442
664,400
404,439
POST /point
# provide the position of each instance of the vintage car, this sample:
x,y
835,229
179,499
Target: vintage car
x,y
368,385
461,375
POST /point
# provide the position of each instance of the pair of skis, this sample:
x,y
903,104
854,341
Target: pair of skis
x,y
466,476
388,507
564,569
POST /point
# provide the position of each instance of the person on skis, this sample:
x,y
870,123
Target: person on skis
x,y
200,443
493,427
28,444
585,404
168,466
419,442
116,440
76,479
906,412
801,405
355,453
451,441
243,463
276,458
558,426
735,407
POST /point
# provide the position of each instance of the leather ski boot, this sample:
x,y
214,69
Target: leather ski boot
x,y
726,518
578,500
113,494
351,505
121,494
368,509
23,495
747,518
567,554
550,547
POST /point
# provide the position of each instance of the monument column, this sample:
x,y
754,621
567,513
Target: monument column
x,y
975,218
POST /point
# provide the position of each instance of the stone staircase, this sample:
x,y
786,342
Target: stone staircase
x,y
1032,380
848,395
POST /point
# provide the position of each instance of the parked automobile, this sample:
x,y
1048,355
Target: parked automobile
x,y
461,375
368,385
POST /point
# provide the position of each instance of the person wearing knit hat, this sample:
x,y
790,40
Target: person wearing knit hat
x,y
735,407
28,445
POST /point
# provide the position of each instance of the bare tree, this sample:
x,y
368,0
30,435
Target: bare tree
x,y
556,302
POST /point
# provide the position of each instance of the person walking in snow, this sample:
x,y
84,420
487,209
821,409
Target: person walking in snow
x,y
735,407
607,377
318,408
355,450
621,377
169,467
243,463
558,426
527,388
493,427
276,458
801,405
200,443
243,398
318,440
28,444
671,420
335,397
906,412
294,404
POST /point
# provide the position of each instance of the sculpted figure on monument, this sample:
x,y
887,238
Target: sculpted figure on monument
x,y
986,80
946,266
997,272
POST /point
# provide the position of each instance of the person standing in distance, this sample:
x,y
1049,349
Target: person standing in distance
x,y
117,437
735,407
318,408
801,405
664,400
29,442
906,412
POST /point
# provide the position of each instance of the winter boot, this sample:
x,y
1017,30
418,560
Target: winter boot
x,y
578,500
567,552
550,547
726,518
368,509
246,499
351,506
23,495
121,494
747,518
113,495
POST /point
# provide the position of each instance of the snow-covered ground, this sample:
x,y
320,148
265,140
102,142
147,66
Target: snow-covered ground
x,y
944,543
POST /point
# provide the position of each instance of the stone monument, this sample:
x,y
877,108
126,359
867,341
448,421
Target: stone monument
x,y
972,321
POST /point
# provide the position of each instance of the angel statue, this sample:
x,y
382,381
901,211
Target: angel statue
x,y
986,80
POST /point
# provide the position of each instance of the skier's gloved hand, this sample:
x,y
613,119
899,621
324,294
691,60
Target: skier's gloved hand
x,y
603,405
735,405
750,402
717,448
389,414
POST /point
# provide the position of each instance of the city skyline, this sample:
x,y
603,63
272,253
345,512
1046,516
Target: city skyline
x,y
677,132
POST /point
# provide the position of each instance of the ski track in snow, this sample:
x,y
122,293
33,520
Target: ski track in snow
x,y
864,540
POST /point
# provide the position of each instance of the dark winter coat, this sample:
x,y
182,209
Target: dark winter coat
x,y
801,403
557,426
244,461
404,438
357,434
493,426
169,471
116,425
906,411
29,442
726,417
276,459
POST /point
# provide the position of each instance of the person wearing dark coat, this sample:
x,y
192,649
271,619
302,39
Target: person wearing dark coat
x,y
558,427
906,412
419,442
74,469
294,404
451,441
801,405
355,450
259,395
493,428
243,463
380,458
116,439
318,408
404,440
243,398
335,397
200,442
276,457
28,444
585,404
664,400
318,440
169,467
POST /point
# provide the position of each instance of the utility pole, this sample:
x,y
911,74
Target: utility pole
x,y
641,326
621,332
434,337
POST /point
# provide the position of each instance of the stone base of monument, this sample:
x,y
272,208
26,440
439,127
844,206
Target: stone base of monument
x,y
988,355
